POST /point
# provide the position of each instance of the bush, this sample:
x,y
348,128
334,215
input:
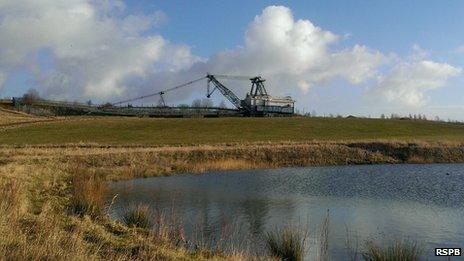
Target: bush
x,y
138,216
286,244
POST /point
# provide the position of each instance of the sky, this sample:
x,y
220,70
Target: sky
x,y
361,58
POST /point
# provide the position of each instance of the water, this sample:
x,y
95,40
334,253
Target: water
x,y
381,202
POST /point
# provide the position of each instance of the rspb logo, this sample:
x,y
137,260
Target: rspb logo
x,y
448,251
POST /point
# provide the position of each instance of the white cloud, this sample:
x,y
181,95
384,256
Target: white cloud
x,y
94,51
407,82
296,52
304,86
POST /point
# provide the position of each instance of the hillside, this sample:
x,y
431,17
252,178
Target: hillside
x,y
148,131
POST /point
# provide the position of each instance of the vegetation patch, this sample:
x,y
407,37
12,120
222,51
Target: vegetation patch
x,y
87,194
398,250
286,244
137,216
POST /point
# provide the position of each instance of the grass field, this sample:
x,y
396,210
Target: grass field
x,y
148,131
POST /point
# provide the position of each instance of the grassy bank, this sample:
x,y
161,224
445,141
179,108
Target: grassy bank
x,y
128,162
147,131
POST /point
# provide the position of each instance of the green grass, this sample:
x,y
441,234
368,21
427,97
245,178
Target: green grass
x,y
147,131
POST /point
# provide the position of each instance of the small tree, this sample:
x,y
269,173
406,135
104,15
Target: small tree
x,y
31,96
196,103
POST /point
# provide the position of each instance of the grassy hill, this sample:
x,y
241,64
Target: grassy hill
x,y
148,131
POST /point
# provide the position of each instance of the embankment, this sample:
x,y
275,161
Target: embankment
x,y
125,162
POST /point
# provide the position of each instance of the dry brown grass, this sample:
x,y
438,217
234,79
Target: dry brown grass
x,y
125,162
37,191
25,235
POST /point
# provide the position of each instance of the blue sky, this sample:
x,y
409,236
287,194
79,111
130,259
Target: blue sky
x,y
409,57
390,26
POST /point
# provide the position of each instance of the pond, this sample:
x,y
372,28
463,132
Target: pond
x,y
420,202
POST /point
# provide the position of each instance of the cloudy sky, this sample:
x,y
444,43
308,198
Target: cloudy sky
x,y
340,57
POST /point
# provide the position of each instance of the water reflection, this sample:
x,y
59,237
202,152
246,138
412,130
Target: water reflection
x,y
420,202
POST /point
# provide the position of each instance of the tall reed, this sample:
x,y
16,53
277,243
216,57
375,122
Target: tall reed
x,y
87,194
286,244
404,250
137,216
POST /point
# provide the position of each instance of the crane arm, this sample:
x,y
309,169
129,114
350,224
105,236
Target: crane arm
x,y
226,92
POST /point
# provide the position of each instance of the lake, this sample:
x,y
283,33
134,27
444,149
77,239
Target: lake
x,y
420,202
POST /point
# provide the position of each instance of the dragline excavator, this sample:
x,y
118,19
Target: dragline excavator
x,y
257,102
